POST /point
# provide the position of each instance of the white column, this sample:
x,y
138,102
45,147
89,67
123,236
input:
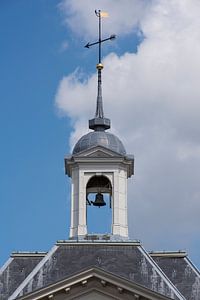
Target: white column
x,y
82,226
119,226
74,203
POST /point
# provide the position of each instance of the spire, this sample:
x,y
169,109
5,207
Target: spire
x,y
99,123
99,108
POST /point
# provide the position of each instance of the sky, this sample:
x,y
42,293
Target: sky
x,y
151,94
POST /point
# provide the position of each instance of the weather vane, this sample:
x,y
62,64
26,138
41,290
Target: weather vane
x,y
100,14
99,121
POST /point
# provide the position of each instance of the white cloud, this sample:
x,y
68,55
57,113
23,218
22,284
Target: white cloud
x,y
124,15
156,95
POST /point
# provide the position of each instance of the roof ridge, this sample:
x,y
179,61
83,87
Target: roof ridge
x,y
179,253
28,253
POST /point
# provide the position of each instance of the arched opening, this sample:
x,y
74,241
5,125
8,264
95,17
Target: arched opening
x,y
99,203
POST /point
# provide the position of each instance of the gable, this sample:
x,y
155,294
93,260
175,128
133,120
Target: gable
x,y
98,151
94,284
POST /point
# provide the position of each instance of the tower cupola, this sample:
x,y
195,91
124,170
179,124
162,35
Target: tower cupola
x,y
99,168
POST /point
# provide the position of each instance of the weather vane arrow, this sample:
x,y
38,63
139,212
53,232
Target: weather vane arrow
x,y
113,36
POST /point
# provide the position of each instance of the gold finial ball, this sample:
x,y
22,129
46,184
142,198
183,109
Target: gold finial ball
x,y
99,66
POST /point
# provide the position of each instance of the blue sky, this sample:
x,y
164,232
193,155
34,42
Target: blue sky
x,y
41,46
34,139
34,191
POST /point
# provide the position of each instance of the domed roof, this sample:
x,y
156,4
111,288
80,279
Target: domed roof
x,y
99,138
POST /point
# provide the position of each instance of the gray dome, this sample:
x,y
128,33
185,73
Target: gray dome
x,y
99,138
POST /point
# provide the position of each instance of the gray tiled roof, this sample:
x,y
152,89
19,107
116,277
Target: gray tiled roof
x,y
181,272
15,272
127,260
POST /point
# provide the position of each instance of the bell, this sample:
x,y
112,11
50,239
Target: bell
x,y
99,201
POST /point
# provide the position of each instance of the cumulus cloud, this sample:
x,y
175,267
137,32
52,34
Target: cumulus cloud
x,y
156,96
124,15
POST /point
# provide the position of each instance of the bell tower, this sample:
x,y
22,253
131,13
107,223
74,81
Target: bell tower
x,y
99,167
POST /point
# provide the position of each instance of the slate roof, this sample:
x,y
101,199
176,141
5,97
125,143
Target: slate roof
x,y
127,260
180,271
16,270
99,138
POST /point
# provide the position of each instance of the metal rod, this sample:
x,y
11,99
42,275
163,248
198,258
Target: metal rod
x,y
99,15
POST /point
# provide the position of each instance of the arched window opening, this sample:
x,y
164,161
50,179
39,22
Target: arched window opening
x,y
99,195
97,186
